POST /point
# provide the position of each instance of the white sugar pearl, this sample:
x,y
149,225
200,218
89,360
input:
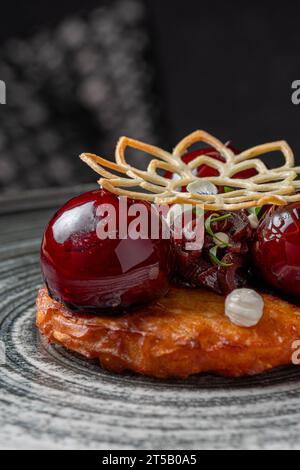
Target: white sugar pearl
x,y
221,239
244,307
202,187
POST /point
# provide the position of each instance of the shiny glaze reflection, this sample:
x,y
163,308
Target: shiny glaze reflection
x,y
276,251
101,276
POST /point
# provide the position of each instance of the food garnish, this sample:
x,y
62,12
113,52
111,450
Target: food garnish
x,y
276,186
202,187
244,307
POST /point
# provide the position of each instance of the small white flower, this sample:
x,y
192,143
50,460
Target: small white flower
x,y
202,187
244,307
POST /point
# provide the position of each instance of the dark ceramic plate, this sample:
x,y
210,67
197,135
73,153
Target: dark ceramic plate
x,y
50,398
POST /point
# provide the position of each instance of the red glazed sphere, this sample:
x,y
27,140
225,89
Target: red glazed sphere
x,y
276,251
94,275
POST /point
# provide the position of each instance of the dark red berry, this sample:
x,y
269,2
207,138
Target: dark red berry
x,y
276,251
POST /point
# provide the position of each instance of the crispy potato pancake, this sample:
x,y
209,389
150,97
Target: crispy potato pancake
x,y
184,333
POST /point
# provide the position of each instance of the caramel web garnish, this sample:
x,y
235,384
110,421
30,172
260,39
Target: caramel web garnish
x,y
270,186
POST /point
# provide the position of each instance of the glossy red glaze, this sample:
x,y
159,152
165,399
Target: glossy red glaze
x,y
276,251
93,275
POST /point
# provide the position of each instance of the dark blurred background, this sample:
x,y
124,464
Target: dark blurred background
x,y
79,75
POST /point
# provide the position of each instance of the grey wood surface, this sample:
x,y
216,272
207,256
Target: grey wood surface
x,y
50,398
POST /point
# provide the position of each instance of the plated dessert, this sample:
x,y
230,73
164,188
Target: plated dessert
x,y
189,265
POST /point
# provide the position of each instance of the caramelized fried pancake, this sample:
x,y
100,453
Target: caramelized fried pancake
x,y
183,334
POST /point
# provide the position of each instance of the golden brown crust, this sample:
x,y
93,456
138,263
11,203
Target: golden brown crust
x,y
183,334
270,186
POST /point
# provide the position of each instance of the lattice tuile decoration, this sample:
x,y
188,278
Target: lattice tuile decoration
x,y
270,186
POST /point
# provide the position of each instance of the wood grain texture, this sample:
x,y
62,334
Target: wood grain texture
x,y
50,398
